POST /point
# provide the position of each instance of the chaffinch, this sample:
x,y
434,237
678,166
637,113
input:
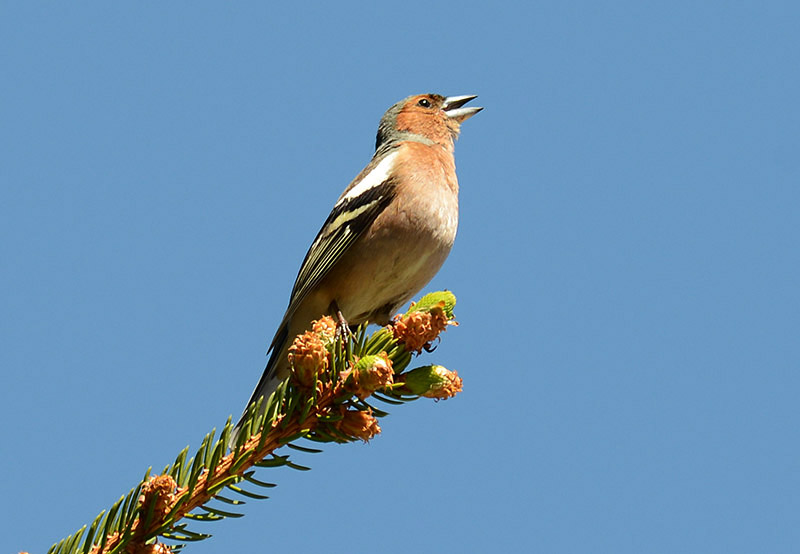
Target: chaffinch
x,y
388,233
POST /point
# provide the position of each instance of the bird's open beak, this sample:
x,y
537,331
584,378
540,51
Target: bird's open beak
x,y
452,107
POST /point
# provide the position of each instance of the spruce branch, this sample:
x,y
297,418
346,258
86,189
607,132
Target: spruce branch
x,y
326,399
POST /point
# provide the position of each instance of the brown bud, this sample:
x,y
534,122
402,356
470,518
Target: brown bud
x,y
325,327
370,374
308,357
418,329
358,425
160,490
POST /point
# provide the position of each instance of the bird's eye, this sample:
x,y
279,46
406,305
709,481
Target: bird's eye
x,y
424,103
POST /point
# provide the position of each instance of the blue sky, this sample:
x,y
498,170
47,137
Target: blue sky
x,y
627,266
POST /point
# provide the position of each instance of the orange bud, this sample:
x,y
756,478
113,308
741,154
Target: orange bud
x,y
370,374
418,329
308,357
358,425
160,489
325,327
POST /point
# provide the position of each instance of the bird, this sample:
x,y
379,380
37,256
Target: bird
x,y
388,233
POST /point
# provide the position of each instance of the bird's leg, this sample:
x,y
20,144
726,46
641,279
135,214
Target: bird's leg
x,y
342,327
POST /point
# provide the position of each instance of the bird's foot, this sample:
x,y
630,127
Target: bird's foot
x,y
342,327
343,331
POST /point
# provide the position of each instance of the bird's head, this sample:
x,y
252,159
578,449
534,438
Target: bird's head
x,y
429,117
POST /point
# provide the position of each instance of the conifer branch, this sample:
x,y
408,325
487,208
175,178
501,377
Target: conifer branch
x,y
324,400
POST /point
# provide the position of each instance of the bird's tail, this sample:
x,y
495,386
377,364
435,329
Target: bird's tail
x,y
269,381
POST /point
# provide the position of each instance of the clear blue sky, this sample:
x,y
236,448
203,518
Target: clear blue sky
x,y
627,266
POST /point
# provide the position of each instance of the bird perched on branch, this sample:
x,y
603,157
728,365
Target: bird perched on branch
x,y
388,233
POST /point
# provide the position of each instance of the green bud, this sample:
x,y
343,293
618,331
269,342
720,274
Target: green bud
x,y
432,381
444,299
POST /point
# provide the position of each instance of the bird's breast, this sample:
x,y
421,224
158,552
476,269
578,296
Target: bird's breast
x,y
402,251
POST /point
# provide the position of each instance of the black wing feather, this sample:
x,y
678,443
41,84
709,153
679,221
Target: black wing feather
x,y
334,239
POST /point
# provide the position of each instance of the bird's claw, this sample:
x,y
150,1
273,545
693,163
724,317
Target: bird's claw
x,y
429,347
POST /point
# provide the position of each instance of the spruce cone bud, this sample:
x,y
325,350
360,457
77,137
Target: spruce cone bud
x,y
161,490
417,329
432,381
358,425
325,327
308,355
370,374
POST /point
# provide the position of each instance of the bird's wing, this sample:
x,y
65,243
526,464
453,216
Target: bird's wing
x,y
361,203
